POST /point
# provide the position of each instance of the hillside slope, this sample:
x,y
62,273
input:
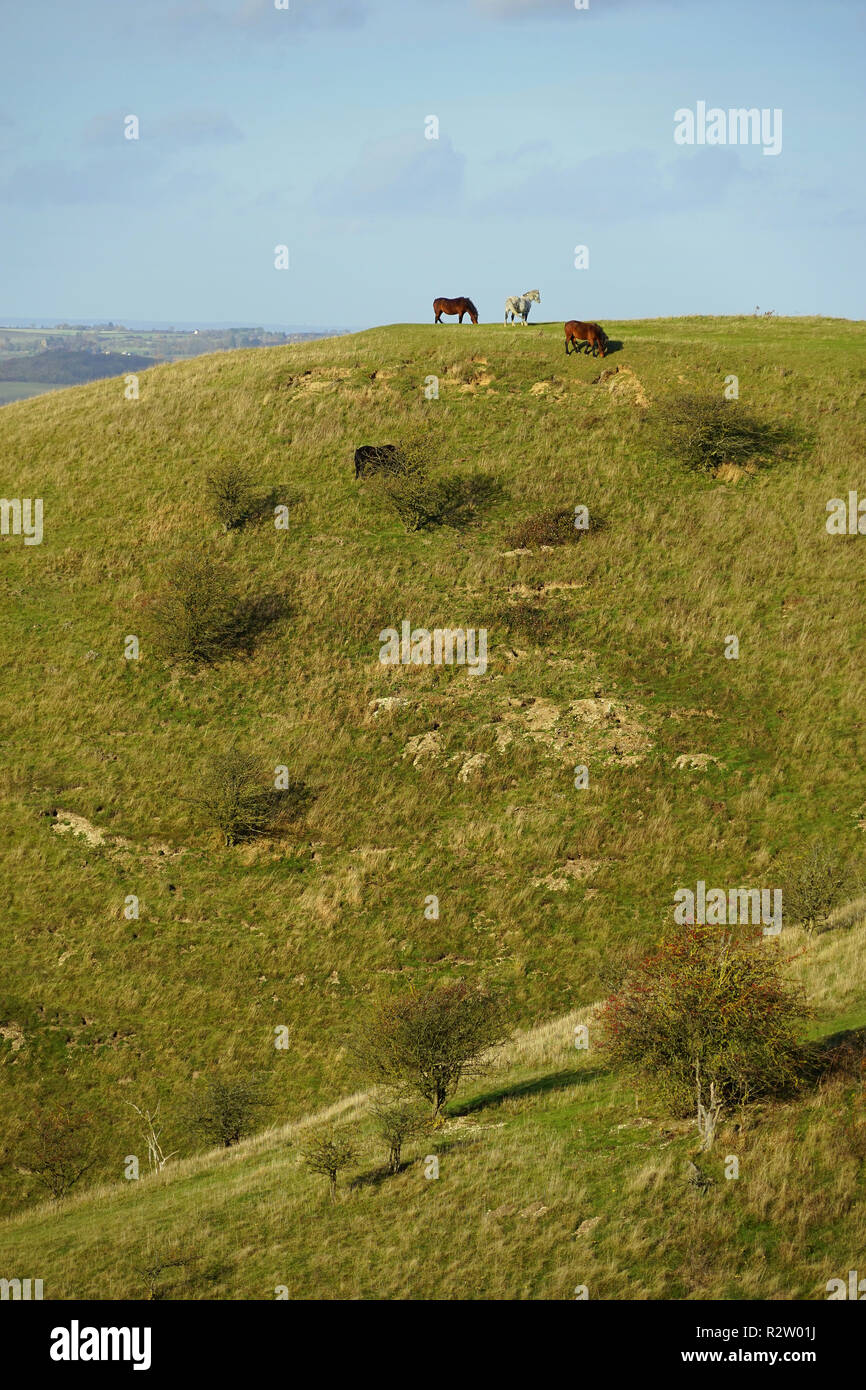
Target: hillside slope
x,y
551,1175
608,653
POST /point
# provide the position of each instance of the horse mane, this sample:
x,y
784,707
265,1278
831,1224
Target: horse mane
x,y
470,306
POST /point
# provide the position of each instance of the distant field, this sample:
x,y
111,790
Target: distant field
x,y
22,390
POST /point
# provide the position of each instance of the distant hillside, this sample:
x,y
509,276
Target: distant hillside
x,y
70,368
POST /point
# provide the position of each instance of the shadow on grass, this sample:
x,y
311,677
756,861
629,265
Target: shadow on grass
x,y
437,1144
264,507
841,1054
612,345
536,1086
253,617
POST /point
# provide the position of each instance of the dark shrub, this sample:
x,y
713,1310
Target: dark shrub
x,y
423,500
199,615
554,527
230,495
704,431
225,1111
528,622
238,797
196,611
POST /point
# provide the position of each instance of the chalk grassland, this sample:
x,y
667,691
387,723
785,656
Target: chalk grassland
x,y
461,788
552,1174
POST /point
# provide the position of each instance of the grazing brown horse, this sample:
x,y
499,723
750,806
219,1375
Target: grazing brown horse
x,y
454,306
589,333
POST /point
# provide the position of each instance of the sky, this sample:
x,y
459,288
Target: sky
x,y
307,127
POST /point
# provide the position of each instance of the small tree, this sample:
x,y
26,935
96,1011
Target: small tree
x,y
427,1042
156,1265
817,883
225,1111
710,1016
396,1123
151,1127
59,1149
328,1154
235,796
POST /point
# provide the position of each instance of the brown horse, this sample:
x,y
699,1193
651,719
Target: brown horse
x,y
454,306
589,333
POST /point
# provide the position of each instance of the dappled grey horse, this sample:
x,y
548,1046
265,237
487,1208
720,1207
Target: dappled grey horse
x,y
518,306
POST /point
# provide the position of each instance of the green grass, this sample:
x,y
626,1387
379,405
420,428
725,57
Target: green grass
x,y
232,943
549,1141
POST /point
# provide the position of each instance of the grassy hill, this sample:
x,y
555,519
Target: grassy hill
x,y
552,1175
608,653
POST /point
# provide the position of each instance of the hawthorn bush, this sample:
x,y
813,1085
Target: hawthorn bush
x,y
711,1017
427,1041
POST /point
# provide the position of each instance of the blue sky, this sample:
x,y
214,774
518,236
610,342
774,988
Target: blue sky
x,y
306,127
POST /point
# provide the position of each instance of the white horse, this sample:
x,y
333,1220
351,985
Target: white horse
x,y
520,304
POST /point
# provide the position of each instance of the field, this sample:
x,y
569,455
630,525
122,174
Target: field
x,y
608,653
22,390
